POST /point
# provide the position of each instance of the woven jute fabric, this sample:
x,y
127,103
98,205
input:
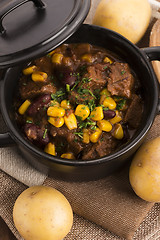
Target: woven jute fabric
x,y
105,209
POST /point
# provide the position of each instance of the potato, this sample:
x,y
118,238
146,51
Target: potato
x,y
144,173
130,18
42,213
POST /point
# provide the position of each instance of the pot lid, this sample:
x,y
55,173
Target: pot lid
x,y
32,28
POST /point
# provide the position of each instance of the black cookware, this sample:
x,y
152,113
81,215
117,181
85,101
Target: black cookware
x,y
139,61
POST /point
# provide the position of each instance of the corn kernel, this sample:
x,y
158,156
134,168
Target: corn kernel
x,y
86,136
23,108
97,114
82,111
116,119
94,137
104,125
39,76
65,104
55,112
54,103
87,58
102,98
57,58
70,121
109,102
68,156
29,70
52,52
105,92
57,122
107,60
50,149
118,132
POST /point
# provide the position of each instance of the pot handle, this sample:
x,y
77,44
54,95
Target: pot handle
x,y
12,5
153,53
6,140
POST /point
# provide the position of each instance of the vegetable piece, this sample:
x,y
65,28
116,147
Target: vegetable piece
x,y
57,122
116,119
55,112
57,58
87,58
82,111
109,102
70,121
29,70
97,114
42,212
144,172
86,136
23,108
124,17
105,92
54,103
94,137
104,125
39,76
107,60
50,149
118,132
68,156
65,104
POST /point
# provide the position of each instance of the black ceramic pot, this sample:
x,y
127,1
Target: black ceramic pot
x,y
139,61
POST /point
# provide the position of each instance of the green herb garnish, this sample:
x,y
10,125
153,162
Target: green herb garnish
x,y
45,132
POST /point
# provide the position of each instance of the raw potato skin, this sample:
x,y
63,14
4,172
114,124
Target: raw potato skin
x,y
42,213
144,173
130,18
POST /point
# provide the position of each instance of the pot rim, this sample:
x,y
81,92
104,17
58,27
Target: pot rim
x,y
137,138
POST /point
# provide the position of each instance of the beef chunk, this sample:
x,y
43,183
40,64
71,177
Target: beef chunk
x,y
134,112
97,76
120,80
36,134
31,89
102,148
44,64
69,136
79,98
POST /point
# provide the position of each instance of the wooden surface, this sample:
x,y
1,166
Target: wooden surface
x,y
155,41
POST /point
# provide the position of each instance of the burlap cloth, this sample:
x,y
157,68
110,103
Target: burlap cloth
x,y
103,210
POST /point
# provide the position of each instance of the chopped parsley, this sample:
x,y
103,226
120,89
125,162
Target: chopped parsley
x,y
121,104
45,132
67,87
123,72
58,95
79,134
28,121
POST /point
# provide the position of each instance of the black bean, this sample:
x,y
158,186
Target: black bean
x,y
38,104
108,114
43,137
66,75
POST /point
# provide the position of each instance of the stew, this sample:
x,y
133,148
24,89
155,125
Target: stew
x,y
78,102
